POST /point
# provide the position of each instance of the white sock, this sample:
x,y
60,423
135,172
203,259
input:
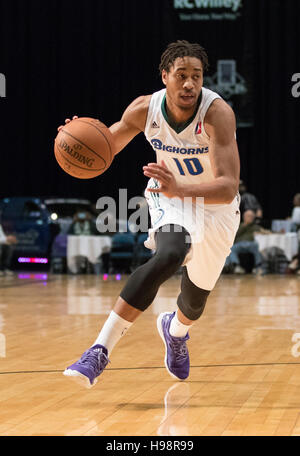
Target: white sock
x,y
113,329
178,329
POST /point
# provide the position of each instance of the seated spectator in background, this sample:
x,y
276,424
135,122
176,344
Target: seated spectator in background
x,y
294,265
295,218
6,252
245,243
249,202
83,225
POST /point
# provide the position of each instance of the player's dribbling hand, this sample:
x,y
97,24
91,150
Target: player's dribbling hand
x,y
168,184
66,122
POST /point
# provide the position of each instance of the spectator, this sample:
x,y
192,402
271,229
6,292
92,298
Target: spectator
x,y
295,219
83,224
245,243
6,252
249,202
294,265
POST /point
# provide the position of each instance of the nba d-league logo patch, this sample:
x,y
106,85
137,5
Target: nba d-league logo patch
x,y
198,129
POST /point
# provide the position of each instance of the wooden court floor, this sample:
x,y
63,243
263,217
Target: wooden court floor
x,y
245,364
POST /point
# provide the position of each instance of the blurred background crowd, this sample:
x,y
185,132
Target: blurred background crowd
x,y
256,69
67,236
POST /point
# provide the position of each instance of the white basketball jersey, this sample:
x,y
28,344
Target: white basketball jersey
x,y
186,153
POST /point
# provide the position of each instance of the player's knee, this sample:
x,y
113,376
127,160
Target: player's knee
x,y
171,259
172,247
192,304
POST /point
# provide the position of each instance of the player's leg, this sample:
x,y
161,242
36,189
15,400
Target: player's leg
x,y
136,296
198,279
143,284
173,327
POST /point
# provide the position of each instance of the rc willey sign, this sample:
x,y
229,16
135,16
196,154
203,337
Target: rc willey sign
x,y
208,10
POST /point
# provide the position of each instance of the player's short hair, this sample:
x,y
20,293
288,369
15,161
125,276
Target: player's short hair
x,y
182,48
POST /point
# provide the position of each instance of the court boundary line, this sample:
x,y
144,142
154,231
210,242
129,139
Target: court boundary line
x,y
49,371
12,284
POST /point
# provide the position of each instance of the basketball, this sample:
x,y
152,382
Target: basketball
x,y
84,148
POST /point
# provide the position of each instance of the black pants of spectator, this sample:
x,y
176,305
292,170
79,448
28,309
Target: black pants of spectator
x,y
6,253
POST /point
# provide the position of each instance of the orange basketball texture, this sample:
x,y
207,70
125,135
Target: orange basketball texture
x,y
84,148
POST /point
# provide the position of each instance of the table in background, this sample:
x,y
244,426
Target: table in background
x,y
91,247
281,225
288,242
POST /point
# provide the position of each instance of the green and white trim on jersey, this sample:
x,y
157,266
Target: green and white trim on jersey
x,y
154,196
178,128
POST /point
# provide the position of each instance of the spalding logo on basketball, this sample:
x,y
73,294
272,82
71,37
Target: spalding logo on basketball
x,y
84,148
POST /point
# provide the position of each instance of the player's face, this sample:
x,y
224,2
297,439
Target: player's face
x,y
184,81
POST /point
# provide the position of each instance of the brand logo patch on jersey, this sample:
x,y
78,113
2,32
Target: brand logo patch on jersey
x,y
154,125
198,128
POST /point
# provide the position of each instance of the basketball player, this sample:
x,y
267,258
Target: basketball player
x,y
192,131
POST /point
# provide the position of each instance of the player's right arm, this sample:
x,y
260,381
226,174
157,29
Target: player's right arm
x,y
132,122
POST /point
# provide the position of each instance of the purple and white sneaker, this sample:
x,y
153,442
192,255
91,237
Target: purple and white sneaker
x,y
91,364
177,359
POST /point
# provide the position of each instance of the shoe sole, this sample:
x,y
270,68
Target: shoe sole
x,y
79,378
160,331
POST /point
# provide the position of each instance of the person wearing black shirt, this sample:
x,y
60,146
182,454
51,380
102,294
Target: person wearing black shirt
x,y
249,202
245,243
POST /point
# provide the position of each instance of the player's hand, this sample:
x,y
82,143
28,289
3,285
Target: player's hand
x,y
168,184
66,122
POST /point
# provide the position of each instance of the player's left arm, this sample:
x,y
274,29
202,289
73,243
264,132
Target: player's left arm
x,y
220,125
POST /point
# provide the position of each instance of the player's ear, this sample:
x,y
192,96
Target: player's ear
x,y
164,76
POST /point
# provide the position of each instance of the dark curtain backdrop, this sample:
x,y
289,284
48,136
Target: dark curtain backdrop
x,y
92,58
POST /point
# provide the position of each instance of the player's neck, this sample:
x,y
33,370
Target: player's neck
x,y
177,115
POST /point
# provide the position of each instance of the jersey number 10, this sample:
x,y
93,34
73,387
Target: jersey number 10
x,y
192,165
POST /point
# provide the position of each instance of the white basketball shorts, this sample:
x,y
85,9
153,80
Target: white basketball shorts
x,y
212,230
